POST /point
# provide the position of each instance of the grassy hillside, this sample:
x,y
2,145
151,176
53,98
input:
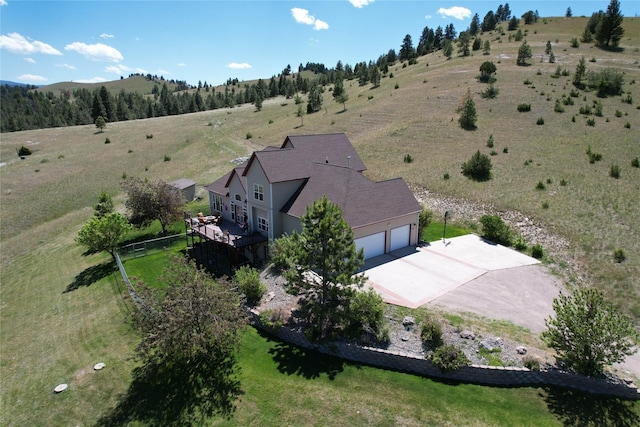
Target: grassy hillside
x,y
138,84
49,336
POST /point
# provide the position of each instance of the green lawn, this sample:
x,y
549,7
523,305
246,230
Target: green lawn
x,y
284,385
435,231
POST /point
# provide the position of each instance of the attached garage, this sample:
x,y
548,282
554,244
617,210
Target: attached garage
x,y
400,237
372,244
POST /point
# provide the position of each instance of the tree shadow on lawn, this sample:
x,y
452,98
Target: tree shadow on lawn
x,y
176,394
91,275
574,408
308,364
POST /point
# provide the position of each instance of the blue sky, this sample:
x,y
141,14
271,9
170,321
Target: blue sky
x,y
45,42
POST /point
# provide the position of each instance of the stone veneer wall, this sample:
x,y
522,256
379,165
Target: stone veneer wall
x,y
473,374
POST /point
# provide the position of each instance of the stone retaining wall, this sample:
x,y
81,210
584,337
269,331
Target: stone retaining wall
x,y
473,374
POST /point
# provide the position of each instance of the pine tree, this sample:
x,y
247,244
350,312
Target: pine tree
x,y
467,110
609,30
324,263
524,53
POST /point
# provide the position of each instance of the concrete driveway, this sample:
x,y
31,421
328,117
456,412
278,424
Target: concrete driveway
x,y
413,276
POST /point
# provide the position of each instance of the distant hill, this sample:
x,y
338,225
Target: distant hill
x,y
10,83
139,84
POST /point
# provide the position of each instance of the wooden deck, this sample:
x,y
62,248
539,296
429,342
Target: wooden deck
x,y
226,232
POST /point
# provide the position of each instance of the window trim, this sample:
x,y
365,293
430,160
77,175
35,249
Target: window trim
x,y
258,192
263,223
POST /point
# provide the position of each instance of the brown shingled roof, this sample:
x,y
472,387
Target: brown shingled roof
x,y
362,201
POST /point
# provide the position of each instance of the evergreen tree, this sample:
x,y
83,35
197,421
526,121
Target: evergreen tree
x,y
513,23
489,22
588,332
467,110
474,27
450,32
438,38
609,29
463,43
314,99
324,263
568,14
447,49
524,53
581,71
406,50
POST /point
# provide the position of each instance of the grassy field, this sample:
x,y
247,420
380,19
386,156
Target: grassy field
x,y
62,312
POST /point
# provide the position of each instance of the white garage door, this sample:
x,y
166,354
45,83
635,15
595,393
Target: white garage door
x,y
373,244
400,237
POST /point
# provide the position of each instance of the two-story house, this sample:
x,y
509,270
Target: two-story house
x,y
271,191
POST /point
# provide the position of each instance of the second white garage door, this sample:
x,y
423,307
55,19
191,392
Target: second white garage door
x,y
400,237
373,244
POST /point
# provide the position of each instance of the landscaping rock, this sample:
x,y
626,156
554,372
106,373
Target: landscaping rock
x,y
521,349
491,344
467,335
408,321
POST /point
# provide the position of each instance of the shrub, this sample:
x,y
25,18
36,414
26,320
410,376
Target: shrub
x,y
540,121
627,99
366,316
635,163
531,362
273,319
520,244
627,125
24,151
536,251
249,135
563,182
490,92
591,122
490,141
167,158
247,279
107,141
478,168
496,230
524,108
619,256
559,107
408,158
540,185
614,171
150,136
545,205
446,176
431,333
574,42
505,150
449,358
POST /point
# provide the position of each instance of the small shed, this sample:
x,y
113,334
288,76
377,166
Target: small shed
x,y
187,187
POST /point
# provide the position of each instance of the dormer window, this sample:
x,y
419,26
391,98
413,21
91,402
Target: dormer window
x,y
258,192
238,197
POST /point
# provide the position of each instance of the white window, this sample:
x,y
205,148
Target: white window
x,y
263,224
258,192
217,203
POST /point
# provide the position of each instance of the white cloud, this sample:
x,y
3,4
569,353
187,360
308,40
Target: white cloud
x,y
31,60
456,12
182,64
92,80
67,66
116,69
163,72
96,52
33,78
427,17
301,16
237,66
360,3
106,36
3,2
16,43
